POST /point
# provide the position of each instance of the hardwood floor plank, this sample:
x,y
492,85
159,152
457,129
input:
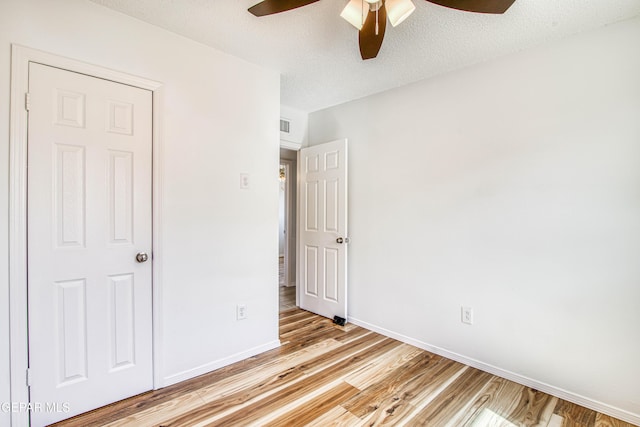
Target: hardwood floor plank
x,y
155,417
445,408
281,367
534,408
310,339
294,313
320,330
398,404
306,322
352,334
555,421
572,413
336,417
341,353
304,414
371,373
118,410
547,412
227,404
390,412
370,398
287,298
498,399
607,421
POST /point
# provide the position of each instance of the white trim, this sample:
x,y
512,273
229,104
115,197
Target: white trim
x,y
288,225
511,376
18,341
296,146
220,363
157,233
298,226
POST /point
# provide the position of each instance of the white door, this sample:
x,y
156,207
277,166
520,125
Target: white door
x,y
89,215
323,229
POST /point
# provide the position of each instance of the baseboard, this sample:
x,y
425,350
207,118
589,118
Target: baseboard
x,y
217,364
511,376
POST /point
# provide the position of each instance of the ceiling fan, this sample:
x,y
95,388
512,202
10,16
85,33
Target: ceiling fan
x,y
370,16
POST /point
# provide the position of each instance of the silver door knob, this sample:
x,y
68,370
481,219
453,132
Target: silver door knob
x,y
142,257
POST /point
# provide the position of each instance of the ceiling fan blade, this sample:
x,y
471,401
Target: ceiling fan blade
x,y
480,6
370,42
269,7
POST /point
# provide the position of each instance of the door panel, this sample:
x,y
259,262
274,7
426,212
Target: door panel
x,y
323,209
68,193
89,213
71,332
120,182
122,321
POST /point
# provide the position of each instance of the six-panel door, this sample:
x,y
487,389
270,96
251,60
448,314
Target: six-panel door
x,y
323,222
89,214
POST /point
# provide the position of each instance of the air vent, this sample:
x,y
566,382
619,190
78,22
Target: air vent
x,y
284,125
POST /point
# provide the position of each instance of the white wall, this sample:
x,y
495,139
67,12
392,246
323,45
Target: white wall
x,y
220,242
512,187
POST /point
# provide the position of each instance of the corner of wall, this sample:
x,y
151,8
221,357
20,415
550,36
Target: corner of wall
x,y
299,127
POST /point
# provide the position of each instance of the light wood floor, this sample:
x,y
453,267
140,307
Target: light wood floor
x,y
287,298
325,375
287,293
281,271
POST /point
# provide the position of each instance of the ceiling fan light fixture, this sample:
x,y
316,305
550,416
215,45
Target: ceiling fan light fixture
x,y
399,10
355,13
375,6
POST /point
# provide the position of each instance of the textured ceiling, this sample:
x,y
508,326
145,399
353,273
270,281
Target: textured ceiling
x,y
316,51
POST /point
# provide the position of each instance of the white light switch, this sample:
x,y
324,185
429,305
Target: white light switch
x,y
241,312
244,181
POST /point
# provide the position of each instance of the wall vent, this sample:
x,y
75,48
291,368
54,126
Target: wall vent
x,y
285,125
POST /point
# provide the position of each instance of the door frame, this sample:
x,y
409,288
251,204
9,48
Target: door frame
x,y
288,225
21,56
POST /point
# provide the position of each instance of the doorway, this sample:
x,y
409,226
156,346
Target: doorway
x,y
74,160
287,230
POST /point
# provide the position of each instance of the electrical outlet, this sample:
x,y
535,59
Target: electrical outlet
x,y
241,312
467,315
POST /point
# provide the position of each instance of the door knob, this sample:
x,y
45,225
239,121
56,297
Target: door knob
x,y
142,257
341,240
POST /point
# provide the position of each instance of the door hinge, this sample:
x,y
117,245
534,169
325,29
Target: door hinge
x,y
29,377
27,101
